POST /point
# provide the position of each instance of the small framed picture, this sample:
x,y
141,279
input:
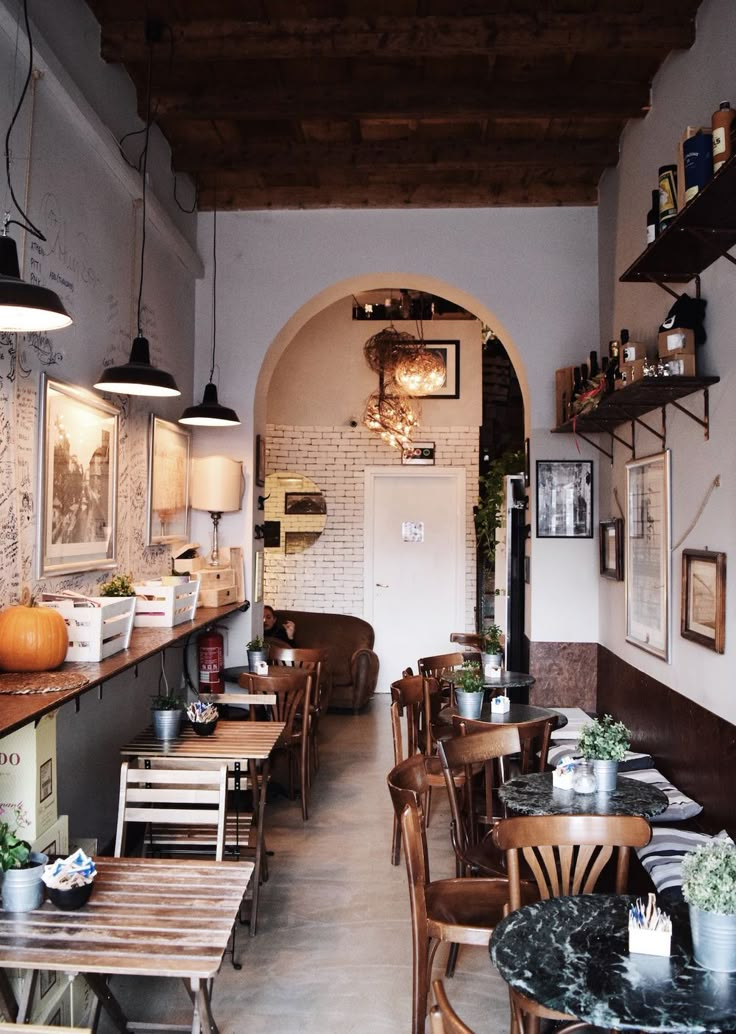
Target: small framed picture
x,y
421,453
611,543
704,598
260,460
564,499
304,502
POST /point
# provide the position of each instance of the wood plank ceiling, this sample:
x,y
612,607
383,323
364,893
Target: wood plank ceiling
x,y
395,103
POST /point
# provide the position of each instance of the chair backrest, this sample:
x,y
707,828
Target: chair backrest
x,y
464,752
173,797
407,784
567,853
292,689
442,1017
439,663
417,700
534,739
306,659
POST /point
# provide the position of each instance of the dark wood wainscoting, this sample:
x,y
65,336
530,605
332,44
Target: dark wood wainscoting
x,y
693,747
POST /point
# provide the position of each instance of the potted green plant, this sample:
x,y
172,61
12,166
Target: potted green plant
x,y
492,649
709,887
119,585
167,712
469,689
257,653
22,868
604,743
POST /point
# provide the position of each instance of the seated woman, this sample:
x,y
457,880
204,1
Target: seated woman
x,y
274,629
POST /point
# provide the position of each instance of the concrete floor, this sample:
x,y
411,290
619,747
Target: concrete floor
x,y
333,950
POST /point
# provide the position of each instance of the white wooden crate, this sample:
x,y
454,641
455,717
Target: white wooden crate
x,y
98,625
163,606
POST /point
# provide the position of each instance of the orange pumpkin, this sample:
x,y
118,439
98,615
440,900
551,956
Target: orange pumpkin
x,y
32,638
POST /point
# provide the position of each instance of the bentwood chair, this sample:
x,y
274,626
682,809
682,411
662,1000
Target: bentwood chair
x,y
307,660
566,855
442,1017
534,743
293,692
458,911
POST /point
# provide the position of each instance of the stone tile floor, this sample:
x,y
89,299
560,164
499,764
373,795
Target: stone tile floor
x,y
333,950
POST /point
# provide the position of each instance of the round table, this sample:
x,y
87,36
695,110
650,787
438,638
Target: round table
x,y
534,794
518,714
571,954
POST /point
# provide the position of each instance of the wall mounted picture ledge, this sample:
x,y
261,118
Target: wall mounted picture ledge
x,y
703,604
564,499
611,546
648,538
78,449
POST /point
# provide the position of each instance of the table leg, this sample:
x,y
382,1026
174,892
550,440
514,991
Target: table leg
x,y
107,1000
26,995
8,1004
203,1022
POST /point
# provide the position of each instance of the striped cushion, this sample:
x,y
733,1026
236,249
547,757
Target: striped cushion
x,y
662,857
631,763
680,806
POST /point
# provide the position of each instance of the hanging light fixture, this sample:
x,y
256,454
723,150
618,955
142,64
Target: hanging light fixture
x,y
209,413
420,371
392,416
24,307
139,376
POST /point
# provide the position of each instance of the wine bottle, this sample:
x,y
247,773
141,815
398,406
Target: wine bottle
x,y
667,195
577,385
593,364
653,218
721,123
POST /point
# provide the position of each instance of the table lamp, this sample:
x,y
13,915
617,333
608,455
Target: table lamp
x,y
217,486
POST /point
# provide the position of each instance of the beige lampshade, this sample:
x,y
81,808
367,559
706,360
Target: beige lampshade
x,y
217,484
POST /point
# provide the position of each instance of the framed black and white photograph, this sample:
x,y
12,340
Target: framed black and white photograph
x,y
611,543
304,502
419,454
648,532
703,615
449,353
78,447
564,499
168,482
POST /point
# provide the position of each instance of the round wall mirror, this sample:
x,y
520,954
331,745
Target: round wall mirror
x,y
295,512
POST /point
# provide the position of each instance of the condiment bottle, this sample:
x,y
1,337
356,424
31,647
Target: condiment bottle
x,y
721,121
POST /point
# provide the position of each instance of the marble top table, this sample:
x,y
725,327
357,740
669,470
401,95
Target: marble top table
x,y
534,794
518,714
571,954
506,680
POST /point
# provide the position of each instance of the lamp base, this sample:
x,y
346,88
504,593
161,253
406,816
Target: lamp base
x,y
215,554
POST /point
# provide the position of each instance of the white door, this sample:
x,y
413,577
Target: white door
x,y
414,563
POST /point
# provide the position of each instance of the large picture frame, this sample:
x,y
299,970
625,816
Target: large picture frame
x,y
703,605
648,533
78,468
449,353
564,499
167,507
611,545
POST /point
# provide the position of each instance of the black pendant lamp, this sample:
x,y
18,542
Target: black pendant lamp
x,y
209,413
24,307
139,376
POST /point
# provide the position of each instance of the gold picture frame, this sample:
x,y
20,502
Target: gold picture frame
x,y
703,605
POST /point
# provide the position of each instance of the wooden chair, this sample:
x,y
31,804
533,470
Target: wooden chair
x,y
460,911
439,663
566,855
416,699
314,661
442,1017
293,692
534,741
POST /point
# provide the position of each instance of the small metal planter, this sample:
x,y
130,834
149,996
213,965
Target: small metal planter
x,y
256,657
469,705
22,889
714,940
167,724
606,773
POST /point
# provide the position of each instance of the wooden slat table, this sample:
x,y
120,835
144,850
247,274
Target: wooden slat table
x,y
146,917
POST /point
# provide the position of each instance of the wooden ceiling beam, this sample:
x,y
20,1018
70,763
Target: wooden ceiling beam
x,y
445,155
517,35
399,196
408,100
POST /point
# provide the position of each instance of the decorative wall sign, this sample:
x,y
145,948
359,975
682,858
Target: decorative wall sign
x,y
564,499
419,453
611,543
168,482
703,617
449,353
412,531
648,554
78,448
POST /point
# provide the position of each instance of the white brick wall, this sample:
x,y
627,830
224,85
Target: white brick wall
x,y
328,577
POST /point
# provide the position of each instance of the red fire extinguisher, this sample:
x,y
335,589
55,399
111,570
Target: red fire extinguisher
x,y
211,660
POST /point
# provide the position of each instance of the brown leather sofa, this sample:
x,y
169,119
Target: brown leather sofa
x,y
352,664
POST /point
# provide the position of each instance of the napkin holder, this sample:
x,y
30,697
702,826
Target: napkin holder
x,y
649,942
500,705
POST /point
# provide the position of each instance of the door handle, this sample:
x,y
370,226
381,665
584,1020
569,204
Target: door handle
x,y
380,585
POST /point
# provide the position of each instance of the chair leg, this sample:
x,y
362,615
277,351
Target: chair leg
x,y
452,959
420,983
428,807
304,775
396,842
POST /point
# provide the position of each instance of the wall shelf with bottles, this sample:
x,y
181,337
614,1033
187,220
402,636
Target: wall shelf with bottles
x,y
631,404
400,304
703,232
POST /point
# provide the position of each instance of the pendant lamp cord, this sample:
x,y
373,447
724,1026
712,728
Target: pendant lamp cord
x,y
144,172
214,289
26,224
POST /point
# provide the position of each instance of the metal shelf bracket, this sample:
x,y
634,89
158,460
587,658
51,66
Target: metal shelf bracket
x,y
705,422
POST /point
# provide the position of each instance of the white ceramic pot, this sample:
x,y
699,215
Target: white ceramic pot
x,y
22,889
606,773
469,705
714,940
